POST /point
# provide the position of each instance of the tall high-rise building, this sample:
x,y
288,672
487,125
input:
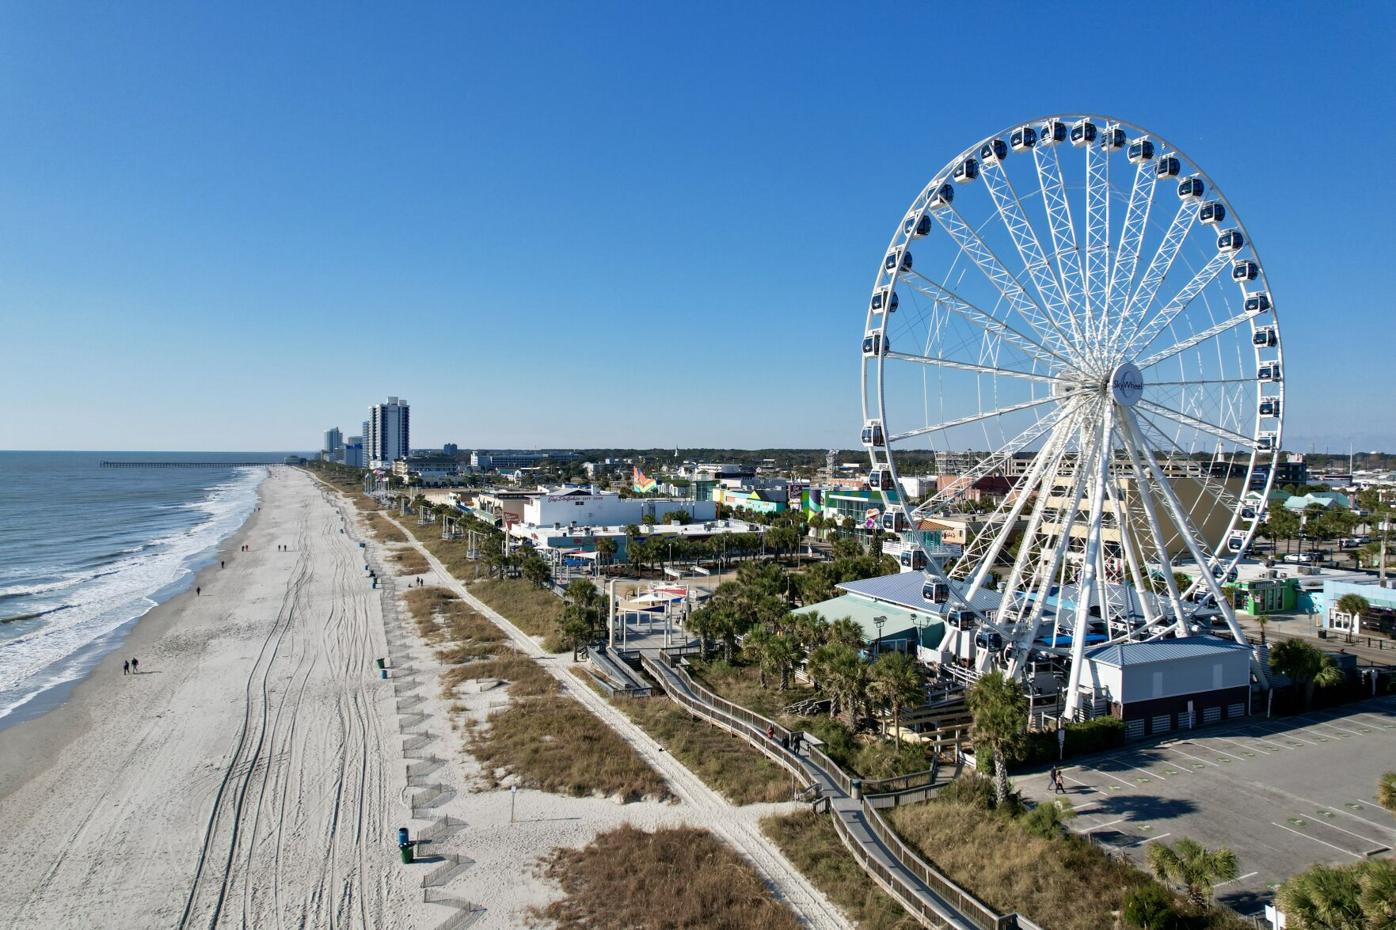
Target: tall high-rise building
x,y
334,441
388,435
354,451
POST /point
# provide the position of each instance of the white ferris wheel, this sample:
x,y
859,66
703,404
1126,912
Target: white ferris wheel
x,y
1073,305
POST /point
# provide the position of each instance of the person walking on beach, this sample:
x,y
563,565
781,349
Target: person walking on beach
x,y
135,666
126,667
222,564
198,592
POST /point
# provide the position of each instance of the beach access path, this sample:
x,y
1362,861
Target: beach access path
x,y
249,774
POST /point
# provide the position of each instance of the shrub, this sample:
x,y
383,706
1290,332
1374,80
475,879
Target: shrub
x,y
972,789
1047,819
1149,907
1082,738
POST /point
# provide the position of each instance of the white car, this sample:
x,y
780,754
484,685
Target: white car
x,y
1301,558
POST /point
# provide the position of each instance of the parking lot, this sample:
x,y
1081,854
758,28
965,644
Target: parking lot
x,y
1283,794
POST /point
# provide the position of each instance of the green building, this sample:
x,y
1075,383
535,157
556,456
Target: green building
x,y
1259,596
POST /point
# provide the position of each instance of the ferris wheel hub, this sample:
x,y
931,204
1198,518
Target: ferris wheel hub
x,y
1127,384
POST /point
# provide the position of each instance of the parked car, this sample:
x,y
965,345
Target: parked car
x,y
1302,558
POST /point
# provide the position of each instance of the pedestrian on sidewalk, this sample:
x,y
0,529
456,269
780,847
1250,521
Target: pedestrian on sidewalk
x,y
1061,785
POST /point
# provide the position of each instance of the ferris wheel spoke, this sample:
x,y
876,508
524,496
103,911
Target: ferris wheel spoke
x,y
1002,279
945,297
1215,490
1205,276
937,362
1063,227
1196,339
1124,528
1246,442
974,418
997,459
989,541
1010,211
1011,603
1201,381
1097,236
1141,198
1159,266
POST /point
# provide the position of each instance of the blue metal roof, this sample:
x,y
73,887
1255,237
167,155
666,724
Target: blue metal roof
x,y
1189,647
904,589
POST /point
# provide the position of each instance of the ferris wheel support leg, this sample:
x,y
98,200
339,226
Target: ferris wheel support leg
x,y
1142,592
1087,589
1176,508
1175,601
1015,576
1044,578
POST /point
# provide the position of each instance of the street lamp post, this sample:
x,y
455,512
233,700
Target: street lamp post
x,y
879,621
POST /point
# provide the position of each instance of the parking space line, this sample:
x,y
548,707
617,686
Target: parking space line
x,y
1084,785
1275,744
1190,755
1316,840
1108,775
1284,734
1328,722
1376,843
1144,839
1268,752
1239,878
1220,752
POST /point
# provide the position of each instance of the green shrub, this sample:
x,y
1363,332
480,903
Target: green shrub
x,y
972,789
1149,907
1082,738
1047,819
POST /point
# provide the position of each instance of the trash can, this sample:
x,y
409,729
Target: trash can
x,y
382,673
402,836
380,662
406,850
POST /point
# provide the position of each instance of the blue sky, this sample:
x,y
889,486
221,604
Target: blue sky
x,y
231,226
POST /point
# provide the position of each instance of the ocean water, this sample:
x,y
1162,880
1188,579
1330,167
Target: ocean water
x,y
85,551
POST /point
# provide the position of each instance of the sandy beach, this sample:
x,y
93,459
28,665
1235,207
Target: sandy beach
x,y
254,773
244,773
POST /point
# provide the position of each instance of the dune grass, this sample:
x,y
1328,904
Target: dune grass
x,y
528,607
725,763
384,530
810,841
409,562
553,743
1061,882
678,878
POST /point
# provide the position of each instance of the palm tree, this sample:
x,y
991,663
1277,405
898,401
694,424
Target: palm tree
x,y
1354,897
840,671
1305,666
1386,791
895,682
1355,606
772,652
1193,866
1000,711
846,632
606,550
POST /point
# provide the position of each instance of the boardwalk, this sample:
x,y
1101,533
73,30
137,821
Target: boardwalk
x,y
925,893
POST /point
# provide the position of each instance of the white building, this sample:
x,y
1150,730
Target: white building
x,y
354,451
590,507
389,433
